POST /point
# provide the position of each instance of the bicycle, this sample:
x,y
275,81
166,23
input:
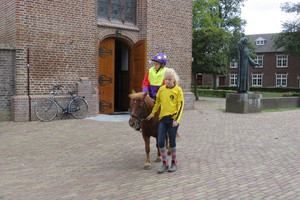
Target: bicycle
x,y
47,109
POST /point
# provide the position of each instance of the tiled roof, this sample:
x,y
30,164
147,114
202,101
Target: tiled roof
x,y
268,45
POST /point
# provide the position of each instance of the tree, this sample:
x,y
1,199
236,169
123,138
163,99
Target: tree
x,y
289,38
217,28
210,51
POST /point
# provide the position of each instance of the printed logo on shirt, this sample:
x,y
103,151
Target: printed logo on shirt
x,y
172,97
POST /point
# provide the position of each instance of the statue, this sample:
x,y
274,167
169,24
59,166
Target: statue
x,y
243,66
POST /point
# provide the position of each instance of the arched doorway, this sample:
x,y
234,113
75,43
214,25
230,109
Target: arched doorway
x,y
121,68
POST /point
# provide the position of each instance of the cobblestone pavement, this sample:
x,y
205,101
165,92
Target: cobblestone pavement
x,y
221,156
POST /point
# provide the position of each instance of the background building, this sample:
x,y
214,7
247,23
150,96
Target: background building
x,y
100,48
276,68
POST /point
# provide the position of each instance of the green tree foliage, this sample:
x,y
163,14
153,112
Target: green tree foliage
x,y
212,58
289,38
217,28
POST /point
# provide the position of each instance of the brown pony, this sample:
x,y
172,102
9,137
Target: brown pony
x,y
141,105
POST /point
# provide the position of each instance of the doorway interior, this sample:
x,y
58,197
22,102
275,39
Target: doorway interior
x,y
122,64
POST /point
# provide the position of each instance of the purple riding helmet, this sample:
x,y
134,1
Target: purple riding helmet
x,y
161,58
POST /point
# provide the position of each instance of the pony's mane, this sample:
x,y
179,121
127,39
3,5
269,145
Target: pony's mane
x,y
139,95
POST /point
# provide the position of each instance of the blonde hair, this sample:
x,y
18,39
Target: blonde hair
x,y
173,73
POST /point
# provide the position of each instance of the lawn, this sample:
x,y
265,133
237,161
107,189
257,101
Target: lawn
x,y
264,94
271,94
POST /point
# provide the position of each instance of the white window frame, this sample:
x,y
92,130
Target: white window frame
x,y
233,79
280,78
260,60
260,42
233,64
257,80
281,61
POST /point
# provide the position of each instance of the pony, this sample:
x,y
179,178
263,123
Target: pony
x,y
141,105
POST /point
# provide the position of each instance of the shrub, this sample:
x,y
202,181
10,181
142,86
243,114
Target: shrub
x,y
214,93
291,94
264,89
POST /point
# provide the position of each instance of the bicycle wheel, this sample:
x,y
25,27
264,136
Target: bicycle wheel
x,y
46,110
78,107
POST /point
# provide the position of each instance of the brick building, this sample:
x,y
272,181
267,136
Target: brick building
x,y
276,68
100,48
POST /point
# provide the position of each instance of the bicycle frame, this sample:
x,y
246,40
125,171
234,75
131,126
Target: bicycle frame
x,y
64,109
67,109
48,109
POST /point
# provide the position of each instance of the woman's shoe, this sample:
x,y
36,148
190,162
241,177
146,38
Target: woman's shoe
x,y
173,167
164,167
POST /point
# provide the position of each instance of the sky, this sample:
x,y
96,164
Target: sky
x,y
264,16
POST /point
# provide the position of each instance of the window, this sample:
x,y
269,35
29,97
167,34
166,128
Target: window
x,y
260,42
233,80
282,60
117,10
233,64
259,59
256,79
281,80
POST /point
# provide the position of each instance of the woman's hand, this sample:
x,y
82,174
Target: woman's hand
x,y
175,123
149,117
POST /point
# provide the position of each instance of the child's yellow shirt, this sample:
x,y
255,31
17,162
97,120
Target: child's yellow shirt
x,y
171,102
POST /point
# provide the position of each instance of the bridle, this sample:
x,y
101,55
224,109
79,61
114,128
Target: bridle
x,y
141,116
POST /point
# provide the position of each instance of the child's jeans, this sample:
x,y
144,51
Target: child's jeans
x,y
166,126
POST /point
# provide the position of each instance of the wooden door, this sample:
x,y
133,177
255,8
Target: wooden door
x,y
106,76
138,65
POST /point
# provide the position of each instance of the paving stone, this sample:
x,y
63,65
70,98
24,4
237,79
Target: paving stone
x,y
221,156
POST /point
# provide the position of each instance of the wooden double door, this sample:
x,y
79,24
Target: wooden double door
x,y
121,68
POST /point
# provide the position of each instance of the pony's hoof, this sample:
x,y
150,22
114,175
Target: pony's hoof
x,y
147,167
158,159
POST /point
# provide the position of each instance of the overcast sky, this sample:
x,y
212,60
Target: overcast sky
x,y
264,16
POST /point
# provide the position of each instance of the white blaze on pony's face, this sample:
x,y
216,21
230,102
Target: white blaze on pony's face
x,y
137,108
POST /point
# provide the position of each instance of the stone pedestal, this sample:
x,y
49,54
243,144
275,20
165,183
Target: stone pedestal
x,y
243,103
189,99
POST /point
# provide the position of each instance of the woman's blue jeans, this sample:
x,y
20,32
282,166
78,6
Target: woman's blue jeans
x,y
166,127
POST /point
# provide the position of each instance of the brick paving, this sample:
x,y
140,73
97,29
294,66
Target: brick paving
x,y
223,156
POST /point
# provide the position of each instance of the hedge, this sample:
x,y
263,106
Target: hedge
x,y
214,93
264,89
222,93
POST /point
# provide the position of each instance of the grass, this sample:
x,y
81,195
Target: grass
x,y
281,109
264,95
269,110
271,94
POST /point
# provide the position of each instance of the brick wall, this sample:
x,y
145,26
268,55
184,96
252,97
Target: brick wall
x,y
7,22
84,87
7,63
64,36
169,30
61,38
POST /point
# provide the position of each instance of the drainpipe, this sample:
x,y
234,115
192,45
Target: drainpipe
x,y
28,84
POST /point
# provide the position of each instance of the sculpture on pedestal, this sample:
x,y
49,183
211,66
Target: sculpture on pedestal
x,y
243,66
